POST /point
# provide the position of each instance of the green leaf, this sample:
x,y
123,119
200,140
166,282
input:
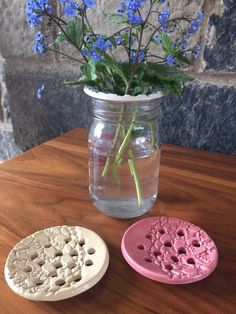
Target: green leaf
x,y
59,39
74,31
117,18
173,87
182,58
111,64
167,44
137,90
89,70
165,72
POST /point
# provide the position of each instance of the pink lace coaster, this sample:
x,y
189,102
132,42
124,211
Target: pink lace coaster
x,y
169,250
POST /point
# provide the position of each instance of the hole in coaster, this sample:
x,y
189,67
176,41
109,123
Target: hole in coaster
x,y
196,243
77,279
161,231
48,245
59,253
169,267
174,259
156,253
167,244
41,263
53,274
191,261
89,263
147,259
38,283
73,253
60,282
71,266
82,242
67,240
140,247
148,236
27,269
58,264
180,233
34,256
182,250
91,251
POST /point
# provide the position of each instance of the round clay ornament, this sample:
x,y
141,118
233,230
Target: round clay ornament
x,y
169,250
56,263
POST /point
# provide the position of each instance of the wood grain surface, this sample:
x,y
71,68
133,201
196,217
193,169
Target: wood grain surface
x,y
48,186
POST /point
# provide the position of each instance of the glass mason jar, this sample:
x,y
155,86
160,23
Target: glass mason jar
x,y
124,153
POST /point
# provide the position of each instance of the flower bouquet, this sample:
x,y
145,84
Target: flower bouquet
x,y
125,72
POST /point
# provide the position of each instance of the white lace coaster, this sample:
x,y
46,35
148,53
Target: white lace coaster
x,y
56,263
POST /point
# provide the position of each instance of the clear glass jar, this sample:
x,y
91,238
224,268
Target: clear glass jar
x,y
124,156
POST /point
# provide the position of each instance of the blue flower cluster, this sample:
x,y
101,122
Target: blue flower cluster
x,y
39,43
34,9
196,23
164,16
99,46
130,8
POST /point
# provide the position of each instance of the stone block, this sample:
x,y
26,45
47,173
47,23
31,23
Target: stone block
x,y
203,117
16,37
61,109
4,105
8,147
220,50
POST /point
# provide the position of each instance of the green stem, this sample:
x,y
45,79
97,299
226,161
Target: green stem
x,y
153,134
106,168
133,172
125,142
108,161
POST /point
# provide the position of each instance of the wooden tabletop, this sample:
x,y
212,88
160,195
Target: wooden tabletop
x,y
48,186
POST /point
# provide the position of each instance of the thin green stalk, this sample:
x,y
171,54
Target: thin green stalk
x,y
133,171
152,128
106,167
125,142
108,161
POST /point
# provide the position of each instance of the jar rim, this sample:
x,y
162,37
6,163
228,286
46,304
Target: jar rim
x,y
126,98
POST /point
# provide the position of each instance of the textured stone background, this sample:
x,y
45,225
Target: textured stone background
x,y
203,117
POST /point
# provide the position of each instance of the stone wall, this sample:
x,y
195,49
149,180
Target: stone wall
x,y
203,117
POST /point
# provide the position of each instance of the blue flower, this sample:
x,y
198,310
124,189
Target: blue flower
x,y
71,8
134,19
157,38
170,60
34,10
196,51
89,3
162,1
93,54
40,91
201,16
164,16
118,41
102,44
134,5
39,43
130,7
196,23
